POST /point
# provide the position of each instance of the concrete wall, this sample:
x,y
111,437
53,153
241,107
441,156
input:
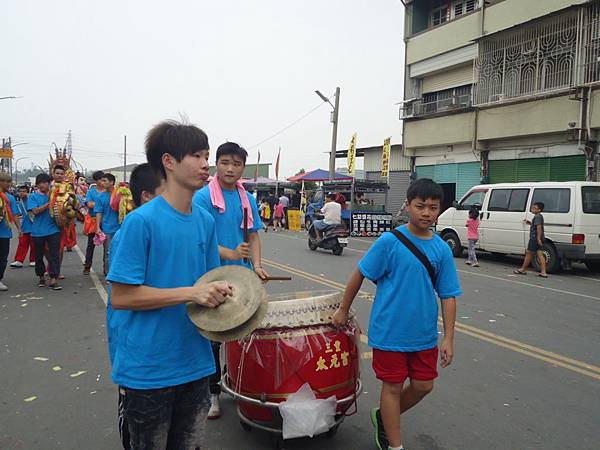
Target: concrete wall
x,y
372,160
523,119
445,130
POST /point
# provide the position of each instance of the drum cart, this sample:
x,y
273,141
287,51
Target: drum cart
x,y
276,427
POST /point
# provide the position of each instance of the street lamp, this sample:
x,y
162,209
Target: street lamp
x,y
17,170
334,121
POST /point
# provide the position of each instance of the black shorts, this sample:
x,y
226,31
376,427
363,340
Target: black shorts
x,y
533,245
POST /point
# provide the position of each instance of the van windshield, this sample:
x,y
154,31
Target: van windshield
x,y
590,196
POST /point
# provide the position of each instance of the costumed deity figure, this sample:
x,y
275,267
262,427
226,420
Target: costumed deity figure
x,y
81,189
121,201
63,200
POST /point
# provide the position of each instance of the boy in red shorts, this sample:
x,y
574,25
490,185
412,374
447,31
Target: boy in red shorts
x,y
403,324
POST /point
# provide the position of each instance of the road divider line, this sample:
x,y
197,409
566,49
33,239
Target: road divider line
x,y
537,286
97,283
516,346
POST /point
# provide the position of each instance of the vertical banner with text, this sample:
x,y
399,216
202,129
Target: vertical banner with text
x,y
385,158
352,155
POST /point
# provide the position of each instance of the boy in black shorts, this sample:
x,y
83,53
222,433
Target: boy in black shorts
x,y
536,241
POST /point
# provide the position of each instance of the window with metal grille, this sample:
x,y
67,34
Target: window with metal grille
x,y
460,7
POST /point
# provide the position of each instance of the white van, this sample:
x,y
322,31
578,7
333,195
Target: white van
x,y
571,215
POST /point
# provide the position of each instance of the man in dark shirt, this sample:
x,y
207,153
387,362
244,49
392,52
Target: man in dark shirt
x,y
536,241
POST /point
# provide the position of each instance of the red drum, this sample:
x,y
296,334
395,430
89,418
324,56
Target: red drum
x,y
295,344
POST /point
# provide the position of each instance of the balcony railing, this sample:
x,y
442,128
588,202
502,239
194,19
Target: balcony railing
x,y
421,107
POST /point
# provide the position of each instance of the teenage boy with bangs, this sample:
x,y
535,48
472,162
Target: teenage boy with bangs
x,y
161,363
225,199
403,323
144,185
10,217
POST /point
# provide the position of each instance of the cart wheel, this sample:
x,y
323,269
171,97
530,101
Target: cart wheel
x,y
332,431
247,428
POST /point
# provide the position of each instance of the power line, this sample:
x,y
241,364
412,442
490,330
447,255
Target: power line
x,y
288,126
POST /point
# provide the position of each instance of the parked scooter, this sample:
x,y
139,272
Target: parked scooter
x,y
334,238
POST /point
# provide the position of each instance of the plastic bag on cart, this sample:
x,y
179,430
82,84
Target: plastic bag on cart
x,y
305,415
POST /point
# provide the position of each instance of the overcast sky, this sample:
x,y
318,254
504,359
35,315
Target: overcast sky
x,y
241,70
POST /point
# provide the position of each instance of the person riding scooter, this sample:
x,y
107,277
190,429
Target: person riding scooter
x,y
332,212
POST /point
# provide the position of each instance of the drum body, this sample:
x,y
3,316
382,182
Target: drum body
x,y
296,344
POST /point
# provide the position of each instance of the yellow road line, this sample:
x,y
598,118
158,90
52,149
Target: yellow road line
x,y
574,365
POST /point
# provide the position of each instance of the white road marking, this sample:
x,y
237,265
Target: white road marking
x,y
576,294
99,287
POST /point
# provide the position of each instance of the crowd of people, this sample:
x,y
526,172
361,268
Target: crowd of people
x,y
182,225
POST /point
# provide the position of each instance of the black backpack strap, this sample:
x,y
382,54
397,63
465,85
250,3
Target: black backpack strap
x,y
417,253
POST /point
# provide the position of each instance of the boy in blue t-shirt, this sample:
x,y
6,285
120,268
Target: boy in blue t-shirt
x,y
90,201
9,217
45,233
107,219
144,185
222,198
161,363
25,239
403,323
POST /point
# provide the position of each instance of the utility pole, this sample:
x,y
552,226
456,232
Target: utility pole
x,y
125,158
334,120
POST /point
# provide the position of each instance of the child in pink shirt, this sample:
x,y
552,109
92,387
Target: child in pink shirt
x,y
472,236
278,217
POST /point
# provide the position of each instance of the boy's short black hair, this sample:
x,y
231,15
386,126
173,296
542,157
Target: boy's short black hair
x,y
42,178
330,195
97,175
58,167
176,139
109,177
143,178
24,186
540,205
425,188
231,148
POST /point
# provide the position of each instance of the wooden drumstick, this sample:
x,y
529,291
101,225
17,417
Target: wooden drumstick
x,y
245,230
277,279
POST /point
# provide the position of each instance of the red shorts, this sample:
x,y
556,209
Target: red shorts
x,y
396,367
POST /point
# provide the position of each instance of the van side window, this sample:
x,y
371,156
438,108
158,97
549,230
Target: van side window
x,y
555,200
474,198
514,200
590,196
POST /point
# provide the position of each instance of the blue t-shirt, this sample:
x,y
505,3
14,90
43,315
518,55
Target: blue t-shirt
x,y
110,217
26,220
161,247
114,318
91,196
405,311
229,231
43,223
5,227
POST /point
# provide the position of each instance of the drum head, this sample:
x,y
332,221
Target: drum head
x,y
248,294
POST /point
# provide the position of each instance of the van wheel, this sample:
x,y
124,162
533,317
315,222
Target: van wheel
x,y
593,266
552,259
454,243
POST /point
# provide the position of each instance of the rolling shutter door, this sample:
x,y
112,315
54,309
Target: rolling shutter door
x,y
532,169
447,79
567,168
399,182
503,171
425,172
468,176
445,173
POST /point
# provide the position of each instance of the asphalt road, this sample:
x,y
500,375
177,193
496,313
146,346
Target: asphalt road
x,y
526,374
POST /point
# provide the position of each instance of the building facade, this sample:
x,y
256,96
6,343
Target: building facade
x,y
501,91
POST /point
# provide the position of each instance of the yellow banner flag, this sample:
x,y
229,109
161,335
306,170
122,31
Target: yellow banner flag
x,y
352,155
385,158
